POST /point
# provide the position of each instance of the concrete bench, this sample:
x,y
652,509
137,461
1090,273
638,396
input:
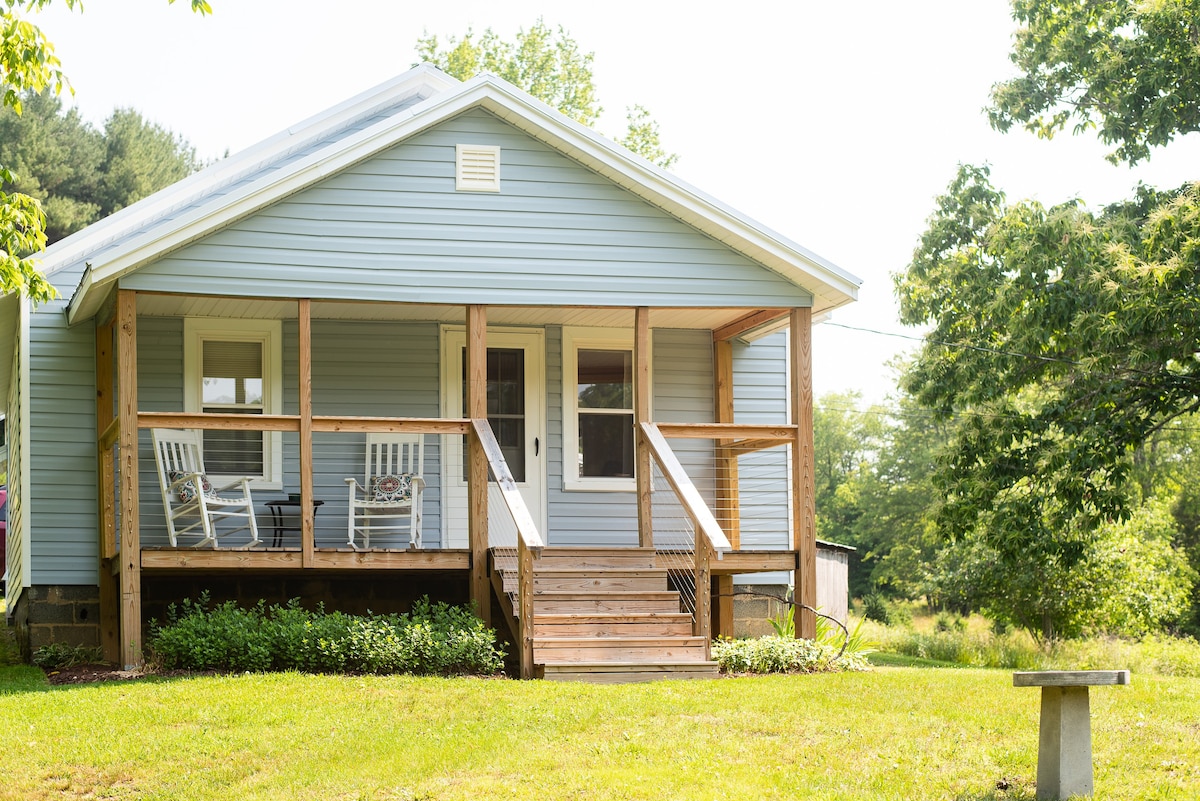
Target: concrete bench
x,y
1065,736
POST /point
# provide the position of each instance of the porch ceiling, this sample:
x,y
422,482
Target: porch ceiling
x,y
254,308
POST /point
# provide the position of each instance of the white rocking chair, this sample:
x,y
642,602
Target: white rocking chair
x,y
188,494
388,501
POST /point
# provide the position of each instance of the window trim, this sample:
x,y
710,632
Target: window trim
x,y
197,330
589,338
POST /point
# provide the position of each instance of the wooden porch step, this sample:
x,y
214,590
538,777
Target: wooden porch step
x,y
582,558
553,602
651,624
563,650
576,579
627,672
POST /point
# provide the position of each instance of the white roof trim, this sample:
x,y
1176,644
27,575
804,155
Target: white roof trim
x,y
832,286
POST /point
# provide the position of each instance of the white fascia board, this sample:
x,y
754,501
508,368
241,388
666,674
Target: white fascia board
x,y
423,78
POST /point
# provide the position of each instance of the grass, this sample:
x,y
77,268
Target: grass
x,y
893,733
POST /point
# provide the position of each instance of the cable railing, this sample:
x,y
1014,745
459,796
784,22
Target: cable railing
x,y
692,544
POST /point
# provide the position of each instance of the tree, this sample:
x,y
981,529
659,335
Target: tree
x,y
550,67
28,64
79,174
1069,335
1131,581
1130,69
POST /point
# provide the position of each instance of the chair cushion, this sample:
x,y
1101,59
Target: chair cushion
x,y
187,490
392,488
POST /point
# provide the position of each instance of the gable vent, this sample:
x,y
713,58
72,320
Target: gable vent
x,y
477,168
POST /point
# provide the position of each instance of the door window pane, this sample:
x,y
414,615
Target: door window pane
x,y
505,405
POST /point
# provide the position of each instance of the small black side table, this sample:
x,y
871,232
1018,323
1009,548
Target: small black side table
x,y
281,510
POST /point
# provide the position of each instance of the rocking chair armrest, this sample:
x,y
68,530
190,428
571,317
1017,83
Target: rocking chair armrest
x,y
420,482
244,481
353,484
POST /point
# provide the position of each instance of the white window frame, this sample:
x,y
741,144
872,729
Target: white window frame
x,y
196,331
574,340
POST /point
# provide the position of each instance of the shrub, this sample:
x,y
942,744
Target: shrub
x,y
431,639
776,654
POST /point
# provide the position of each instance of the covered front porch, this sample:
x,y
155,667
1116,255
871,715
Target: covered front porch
x,y
707,497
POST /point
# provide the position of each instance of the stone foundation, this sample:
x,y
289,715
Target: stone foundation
x,y
752,614
46,614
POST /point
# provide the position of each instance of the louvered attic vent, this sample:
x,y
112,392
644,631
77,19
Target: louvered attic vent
x,y
477,168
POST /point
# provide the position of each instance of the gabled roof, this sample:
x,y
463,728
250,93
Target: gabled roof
x,y
371,123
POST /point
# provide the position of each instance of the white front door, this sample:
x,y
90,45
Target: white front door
x,y
516,403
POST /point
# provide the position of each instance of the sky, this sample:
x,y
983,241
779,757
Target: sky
x,y
836,124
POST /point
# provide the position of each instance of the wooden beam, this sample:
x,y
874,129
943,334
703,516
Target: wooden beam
x,y
307,512
213,421
477,471
747,323
726,431
391,425
729,507
228,559
641,414
127,409
804,524
525,606
107,424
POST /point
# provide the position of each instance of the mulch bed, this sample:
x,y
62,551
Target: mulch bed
x,y
87,674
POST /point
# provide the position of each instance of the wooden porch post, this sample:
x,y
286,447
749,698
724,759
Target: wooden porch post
x,y
641,414
803,471
728,504
307,521
477,469
131,546
110,603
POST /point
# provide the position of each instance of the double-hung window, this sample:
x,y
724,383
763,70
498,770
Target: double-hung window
x,y
598,414
233,367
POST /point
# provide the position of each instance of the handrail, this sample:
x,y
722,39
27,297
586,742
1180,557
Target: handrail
x,y
685,490
291,422
526,529
529,541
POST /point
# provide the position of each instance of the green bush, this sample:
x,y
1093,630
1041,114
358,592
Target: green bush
x,y
432,639
776,654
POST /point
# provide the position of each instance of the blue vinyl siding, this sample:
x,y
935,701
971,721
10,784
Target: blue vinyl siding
x,y
394,228
760,396
61,510
682,376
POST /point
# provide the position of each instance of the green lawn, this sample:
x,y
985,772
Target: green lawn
x,y
894,733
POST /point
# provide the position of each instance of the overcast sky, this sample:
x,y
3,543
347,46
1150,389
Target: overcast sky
x,y
836,124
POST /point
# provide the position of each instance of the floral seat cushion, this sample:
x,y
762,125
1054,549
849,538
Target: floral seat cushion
x,y
391,488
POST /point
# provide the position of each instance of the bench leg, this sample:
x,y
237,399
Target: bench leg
x,y
1064,744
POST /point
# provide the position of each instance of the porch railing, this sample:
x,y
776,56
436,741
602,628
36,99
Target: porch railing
x,y
751,502
687,536
528,545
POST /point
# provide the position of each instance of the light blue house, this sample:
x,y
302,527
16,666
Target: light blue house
x,y
425,256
